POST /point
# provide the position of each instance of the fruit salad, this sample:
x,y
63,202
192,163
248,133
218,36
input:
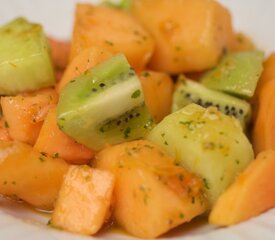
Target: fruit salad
x,y
152,114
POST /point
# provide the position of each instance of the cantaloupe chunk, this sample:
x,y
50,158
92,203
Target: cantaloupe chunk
x,y
30,175
263,134
114,30
4,133
252,193
84,200
60,53
85,60
268,74
25,113
157,89
190,35
152,195
54,142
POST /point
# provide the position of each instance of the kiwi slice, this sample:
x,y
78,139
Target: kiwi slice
x,y
236,74
189,91
104,106
25,61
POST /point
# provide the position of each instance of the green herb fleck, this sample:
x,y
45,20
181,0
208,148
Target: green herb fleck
x,y
102,130
166,143
181,215
136,94
148,146
206,183
127,131
109,43
193,200
6,124
181,177
209,146
56,155
237,161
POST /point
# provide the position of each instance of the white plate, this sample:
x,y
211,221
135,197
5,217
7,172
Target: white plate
x,y
254,17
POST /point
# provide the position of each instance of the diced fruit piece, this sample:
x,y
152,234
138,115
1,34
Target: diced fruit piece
x,y
4,133
243,43
188,91
54,142
25,113
104,106
237,73
208,143
114,30
252,193
84,200
158,89
30,175
152,195
60,53
268,74
263,135
85,60
190,35
25,61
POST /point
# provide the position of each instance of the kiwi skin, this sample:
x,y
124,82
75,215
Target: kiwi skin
x,y
188,91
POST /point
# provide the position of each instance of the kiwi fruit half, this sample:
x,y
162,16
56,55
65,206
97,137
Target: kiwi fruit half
x,y
236,74
188,91
104,106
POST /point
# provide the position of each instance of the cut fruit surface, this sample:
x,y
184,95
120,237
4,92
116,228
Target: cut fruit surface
x,y
104,106
188,91
252,193
190,35
25,61
263,134
114,30
152,195
237,73
30,175
25,113
54,142
206,142
158,89
84,200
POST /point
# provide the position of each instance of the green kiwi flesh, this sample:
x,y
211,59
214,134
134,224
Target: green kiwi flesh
x,y
188,91
236,74
104,106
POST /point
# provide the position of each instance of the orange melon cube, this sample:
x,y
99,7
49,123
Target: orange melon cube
x,y
84,200
54,142
30,175
4,133
252,193
114,30
158,89
190,35
25,113
263,134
